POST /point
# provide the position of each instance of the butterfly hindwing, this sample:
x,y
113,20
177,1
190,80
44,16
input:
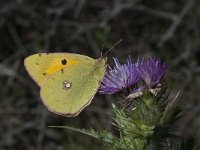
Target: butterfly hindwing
x,y
67,94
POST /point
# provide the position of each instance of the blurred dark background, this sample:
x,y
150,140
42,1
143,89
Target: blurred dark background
x,y
168,29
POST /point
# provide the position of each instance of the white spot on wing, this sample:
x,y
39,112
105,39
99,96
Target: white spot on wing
x,y
66,85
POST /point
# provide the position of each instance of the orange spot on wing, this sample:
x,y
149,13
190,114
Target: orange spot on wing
x,y
57,65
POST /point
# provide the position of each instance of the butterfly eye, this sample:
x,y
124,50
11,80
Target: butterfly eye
x,y
64,61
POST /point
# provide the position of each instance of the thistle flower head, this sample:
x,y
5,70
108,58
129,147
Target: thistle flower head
x,y
151,71
126,76
120,77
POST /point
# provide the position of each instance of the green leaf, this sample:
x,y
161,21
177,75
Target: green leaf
x,y
101,134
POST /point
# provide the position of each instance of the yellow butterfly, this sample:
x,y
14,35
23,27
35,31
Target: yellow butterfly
x,y
67,81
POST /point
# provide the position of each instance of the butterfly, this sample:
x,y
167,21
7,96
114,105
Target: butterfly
x,y
67,81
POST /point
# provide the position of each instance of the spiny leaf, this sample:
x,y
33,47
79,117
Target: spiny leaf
x,y
101,134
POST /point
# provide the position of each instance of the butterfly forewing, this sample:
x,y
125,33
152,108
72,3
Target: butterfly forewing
x,y
43,65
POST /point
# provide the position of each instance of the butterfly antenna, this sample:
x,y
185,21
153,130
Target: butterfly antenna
x,y
109,50
102,50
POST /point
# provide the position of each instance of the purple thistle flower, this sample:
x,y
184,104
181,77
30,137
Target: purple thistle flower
x,y
120,77
151,71
125,77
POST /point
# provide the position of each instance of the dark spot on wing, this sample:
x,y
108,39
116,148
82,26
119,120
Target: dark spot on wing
x,y
36,63
44,74
40,55
64,61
